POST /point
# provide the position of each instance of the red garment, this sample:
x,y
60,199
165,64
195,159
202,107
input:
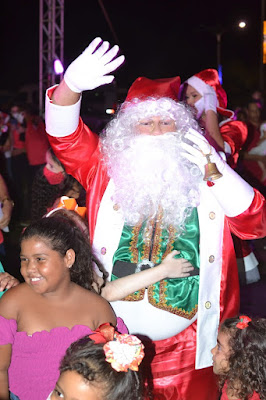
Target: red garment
x,y
173,369
36,141
224,396
235,134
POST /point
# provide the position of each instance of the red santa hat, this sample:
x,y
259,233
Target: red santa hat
x,y
142,88
210,77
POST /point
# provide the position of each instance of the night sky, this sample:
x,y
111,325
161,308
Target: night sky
x,y
159,39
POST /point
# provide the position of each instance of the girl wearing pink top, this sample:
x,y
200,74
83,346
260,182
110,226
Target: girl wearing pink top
x,y
55,306
239,358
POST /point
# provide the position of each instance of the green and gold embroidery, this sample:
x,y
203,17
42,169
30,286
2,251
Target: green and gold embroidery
x,y
148,240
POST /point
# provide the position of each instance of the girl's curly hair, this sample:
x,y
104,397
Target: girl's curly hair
x,y
247,360
88,360
64,230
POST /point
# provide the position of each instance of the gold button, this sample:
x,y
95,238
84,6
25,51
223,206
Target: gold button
x,y
116,207
103,251
208,305
211,259
212,215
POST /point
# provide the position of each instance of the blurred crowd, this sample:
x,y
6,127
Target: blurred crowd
x,y
32,178
252,160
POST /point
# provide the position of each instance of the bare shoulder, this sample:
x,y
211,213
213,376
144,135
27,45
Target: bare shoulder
x,y
100,307
12,301
91,296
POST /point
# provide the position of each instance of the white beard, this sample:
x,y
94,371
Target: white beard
x,y
151,174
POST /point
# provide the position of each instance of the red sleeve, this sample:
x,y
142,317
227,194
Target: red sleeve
x,y
251,224
235,134
79,153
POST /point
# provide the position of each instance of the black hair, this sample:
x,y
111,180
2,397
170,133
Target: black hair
x,y
247,359
61,232
88,360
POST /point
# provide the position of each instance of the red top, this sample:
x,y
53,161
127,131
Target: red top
x,y
36,141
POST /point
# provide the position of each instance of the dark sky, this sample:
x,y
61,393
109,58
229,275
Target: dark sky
x,y
160,38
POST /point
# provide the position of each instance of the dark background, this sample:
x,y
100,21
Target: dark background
x,y
160,38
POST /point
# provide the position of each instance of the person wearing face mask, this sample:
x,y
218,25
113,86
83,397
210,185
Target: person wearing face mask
x,y
50,183
206,95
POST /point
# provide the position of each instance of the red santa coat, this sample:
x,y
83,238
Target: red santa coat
x,y
219,292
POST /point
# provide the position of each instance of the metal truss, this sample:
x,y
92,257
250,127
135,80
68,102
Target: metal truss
x,y
51,44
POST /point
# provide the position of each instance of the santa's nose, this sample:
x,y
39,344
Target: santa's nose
x,y
156,129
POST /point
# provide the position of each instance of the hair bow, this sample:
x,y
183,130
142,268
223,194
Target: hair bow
x,y
244,320
69,204
103,334
122,351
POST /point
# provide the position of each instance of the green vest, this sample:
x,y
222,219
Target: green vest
x,y
180,295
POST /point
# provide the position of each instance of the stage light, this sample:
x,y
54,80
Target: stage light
x,y
58,67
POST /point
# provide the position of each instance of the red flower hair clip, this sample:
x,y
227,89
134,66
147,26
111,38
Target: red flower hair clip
x,y
244,320
122,351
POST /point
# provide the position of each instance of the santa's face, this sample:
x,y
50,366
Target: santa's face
x,y
156,125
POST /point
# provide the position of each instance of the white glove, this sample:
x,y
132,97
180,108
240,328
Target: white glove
x,y
210,99
90,69
196,150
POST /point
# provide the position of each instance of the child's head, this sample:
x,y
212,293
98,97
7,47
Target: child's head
x,y
60,232
86,375
240,355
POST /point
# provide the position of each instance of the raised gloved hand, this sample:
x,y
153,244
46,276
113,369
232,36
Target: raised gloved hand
x,y
199,147
90,70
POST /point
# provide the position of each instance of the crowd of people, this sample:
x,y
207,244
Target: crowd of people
x,y
129,257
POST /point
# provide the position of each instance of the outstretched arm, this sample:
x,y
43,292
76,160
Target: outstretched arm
x,y
73,142
170,267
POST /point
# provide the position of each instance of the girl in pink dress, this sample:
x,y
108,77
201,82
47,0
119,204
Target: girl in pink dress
x,y
55,306
239,358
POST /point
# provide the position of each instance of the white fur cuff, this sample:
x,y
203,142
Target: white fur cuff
x,y
233,193
61,121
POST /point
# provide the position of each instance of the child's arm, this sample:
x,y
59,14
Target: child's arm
x,y
212,126
170,268
5,357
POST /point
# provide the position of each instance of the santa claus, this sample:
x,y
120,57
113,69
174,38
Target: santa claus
x,y
148,202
